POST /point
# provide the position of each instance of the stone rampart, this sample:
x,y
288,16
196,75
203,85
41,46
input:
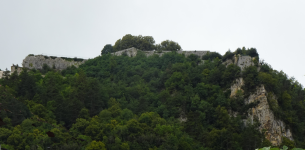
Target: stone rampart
x,y
244,61
131,52
198,53
16,68
1,74
240,61
59,63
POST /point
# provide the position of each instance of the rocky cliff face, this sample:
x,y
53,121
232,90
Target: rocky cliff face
x,y
38,61
275,129
236,86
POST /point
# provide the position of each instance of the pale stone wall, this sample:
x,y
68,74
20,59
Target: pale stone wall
x,y
240,61
1,74
275,129
150,53
198,53
38,61
131,52
16,68
243,61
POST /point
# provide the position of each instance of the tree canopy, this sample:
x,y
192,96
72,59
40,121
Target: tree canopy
x,y
145,43
168,46
107,49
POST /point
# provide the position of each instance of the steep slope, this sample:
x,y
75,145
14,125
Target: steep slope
x,y
274,129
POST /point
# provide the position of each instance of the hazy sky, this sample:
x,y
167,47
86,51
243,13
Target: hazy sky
x,y
82,28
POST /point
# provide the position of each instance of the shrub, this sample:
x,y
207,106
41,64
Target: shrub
x,y
227,55
211,56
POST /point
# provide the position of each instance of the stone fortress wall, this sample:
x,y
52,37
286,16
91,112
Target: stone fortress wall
x,y
2,74
241,61
37,62
16,68
133,52
13,69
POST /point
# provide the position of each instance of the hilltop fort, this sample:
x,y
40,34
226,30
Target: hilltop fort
x,y
60,63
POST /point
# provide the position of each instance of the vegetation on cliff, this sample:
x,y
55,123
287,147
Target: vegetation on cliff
x,y
167,102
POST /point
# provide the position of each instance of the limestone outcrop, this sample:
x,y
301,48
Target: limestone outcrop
x,y
59,63
275,129
228,62
236,86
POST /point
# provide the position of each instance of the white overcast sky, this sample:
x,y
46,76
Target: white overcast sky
x,y
276,28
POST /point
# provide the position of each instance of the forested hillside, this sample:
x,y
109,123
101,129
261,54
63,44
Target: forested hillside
x,y
170,102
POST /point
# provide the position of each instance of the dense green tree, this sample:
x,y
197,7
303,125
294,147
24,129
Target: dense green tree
x,y
211,56
108,48
231,73
12,107
168,45
267,79
250,76
26,86
96,145
227,55
145,43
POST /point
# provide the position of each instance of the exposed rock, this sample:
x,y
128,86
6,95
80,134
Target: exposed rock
x,y
236,86
182,117
228,62
38,61
274,128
